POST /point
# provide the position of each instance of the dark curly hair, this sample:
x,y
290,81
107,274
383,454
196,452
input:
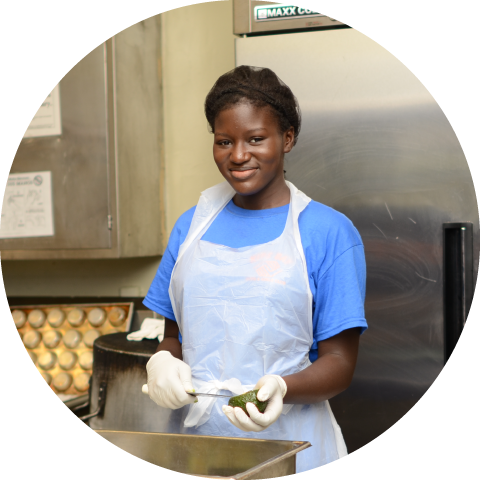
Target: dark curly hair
x,y
259,86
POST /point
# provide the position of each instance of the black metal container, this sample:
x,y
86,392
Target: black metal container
x,y
119,371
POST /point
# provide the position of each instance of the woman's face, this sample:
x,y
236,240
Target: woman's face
x,y
249,148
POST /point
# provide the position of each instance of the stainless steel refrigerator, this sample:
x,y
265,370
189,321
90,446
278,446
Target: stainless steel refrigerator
x,y
376,146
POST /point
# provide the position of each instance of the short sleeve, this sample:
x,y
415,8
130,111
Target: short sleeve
x,y
336,272
157,298
340,295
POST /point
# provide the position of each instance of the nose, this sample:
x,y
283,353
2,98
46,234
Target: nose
x,y
240,154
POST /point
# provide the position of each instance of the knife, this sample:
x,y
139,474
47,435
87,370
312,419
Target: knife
x,y
193,394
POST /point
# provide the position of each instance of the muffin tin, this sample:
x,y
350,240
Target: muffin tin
x,y
59,339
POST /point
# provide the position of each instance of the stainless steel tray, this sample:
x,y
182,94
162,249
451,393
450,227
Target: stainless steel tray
x,y
214,457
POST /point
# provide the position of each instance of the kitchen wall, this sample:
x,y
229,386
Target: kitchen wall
x,y
197,46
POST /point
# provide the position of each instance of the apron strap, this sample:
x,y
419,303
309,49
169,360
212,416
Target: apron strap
x,y
340,442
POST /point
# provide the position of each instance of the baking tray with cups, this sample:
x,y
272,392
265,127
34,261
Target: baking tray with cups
x,y
59,340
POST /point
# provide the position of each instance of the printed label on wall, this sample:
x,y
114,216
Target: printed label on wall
x,y
282,12
27,206
47,121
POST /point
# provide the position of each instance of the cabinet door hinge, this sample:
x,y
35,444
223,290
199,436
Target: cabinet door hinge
x,y
110,222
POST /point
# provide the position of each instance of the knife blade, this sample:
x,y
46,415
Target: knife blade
x,y
193,394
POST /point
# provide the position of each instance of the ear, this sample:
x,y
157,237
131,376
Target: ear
x,y
288,139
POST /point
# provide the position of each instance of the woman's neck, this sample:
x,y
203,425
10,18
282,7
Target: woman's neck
x,y
272,196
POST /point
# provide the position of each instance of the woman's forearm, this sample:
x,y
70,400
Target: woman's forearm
x,y
170,341
327,376
172,345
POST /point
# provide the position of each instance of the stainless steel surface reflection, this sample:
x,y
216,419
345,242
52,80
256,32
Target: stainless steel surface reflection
x,y
220,457
376,146
398,174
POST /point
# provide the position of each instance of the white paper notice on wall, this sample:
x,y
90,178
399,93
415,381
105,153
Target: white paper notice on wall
x,y
27,209
47,121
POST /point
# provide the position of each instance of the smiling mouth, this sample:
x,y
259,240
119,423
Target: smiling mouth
x,y
243,174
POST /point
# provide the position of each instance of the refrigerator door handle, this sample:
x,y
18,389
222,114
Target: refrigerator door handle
x,y
457,281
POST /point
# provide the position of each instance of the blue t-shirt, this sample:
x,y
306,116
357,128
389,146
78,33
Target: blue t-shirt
x,y
333,251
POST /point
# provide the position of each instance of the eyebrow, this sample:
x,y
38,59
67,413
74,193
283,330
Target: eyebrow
x,y
252,130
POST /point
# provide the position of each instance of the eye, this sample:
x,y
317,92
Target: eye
x,y
256,139
223,142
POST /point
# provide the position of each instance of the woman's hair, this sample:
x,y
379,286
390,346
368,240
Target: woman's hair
x,y
259,86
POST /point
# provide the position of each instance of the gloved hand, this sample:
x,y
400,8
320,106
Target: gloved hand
x,y
270,387
151,328
168,381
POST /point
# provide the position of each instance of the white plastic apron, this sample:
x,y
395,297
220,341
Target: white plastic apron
x,y
244,313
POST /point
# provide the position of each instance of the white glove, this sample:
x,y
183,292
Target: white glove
x,y
270,387
168,381
151,328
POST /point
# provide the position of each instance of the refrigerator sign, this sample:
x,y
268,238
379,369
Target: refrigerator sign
x,y
282,12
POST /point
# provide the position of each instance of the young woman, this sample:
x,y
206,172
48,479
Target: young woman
x,y
265,286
